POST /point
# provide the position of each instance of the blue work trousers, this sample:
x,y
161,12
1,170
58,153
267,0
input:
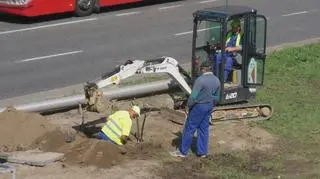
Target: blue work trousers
x,y
228,65
104,137
198,119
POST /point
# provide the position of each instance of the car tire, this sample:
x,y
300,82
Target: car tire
x,y
96,8
84,7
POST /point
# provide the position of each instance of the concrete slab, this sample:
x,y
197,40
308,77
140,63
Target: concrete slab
x,y
32,157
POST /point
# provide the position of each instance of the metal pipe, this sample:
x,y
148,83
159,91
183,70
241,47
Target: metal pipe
x,y
48,105
118,93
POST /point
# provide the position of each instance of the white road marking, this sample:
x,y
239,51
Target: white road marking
x,y
48,56
208,1
295,13
170,7
127,14
184,33
47,26
190,32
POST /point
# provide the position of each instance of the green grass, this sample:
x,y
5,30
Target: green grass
x,y
292,87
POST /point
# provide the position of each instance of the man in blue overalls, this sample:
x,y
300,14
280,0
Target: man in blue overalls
x,y
233,47
205,93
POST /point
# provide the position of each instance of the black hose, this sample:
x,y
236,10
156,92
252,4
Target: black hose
x,y
142,127
138,131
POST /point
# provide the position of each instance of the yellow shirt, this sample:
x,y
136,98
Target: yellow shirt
x,y
119,123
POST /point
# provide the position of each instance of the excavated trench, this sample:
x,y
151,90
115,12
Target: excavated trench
x,y
21,131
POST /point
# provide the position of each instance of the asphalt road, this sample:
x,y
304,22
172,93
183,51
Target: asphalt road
x,y
59,52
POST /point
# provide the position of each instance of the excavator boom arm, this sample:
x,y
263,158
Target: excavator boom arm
x,y
166,65
162,65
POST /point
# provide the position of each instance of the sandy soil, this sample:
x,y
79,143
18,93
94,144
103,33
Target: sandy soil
x,y
89,158
18,130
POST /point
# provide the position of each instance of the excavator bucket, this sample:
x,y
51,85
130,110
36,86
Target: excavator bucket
x,y
94,98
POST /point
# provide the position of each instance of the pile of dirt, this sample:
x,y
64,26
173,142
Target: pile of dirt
x,y
94,152
19,129
54,141
80,150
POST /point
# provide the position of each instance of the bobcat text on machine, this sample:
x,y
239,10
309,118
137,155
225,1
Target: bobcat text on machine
x,y
210,29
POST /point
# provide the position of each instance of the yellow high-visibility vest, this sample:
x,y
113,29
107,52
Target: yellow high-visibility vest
x,y
238,38
118,124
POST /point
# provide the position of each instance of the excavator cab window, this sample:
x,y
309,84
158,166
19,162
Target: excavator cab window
x,y
210,35
234,76
210,40
207,44
255,51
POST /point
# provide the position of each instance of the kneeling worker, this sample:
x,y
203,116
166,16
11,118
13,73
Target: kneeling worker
x,y
118,126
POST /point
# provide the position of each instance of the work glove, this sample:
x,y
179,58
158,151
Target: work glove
x,y
124,139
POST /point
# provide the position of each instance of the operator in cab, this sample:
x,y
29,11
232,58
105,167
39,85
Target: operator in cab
x,y
118,126
233,48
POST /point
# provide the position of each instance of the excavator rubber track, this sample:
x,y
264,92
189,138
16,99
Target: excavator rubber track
x,y
235,112
241,112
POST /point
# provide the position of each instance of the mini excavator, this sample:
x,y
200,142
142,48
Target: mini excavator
x,y
210,27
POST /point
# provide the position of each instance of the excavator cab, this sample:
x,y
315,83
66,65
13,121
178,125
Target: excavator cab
x,y
210,39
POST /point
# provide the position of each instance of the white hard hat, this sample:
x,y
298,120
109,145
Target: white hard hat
x,y
136,109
